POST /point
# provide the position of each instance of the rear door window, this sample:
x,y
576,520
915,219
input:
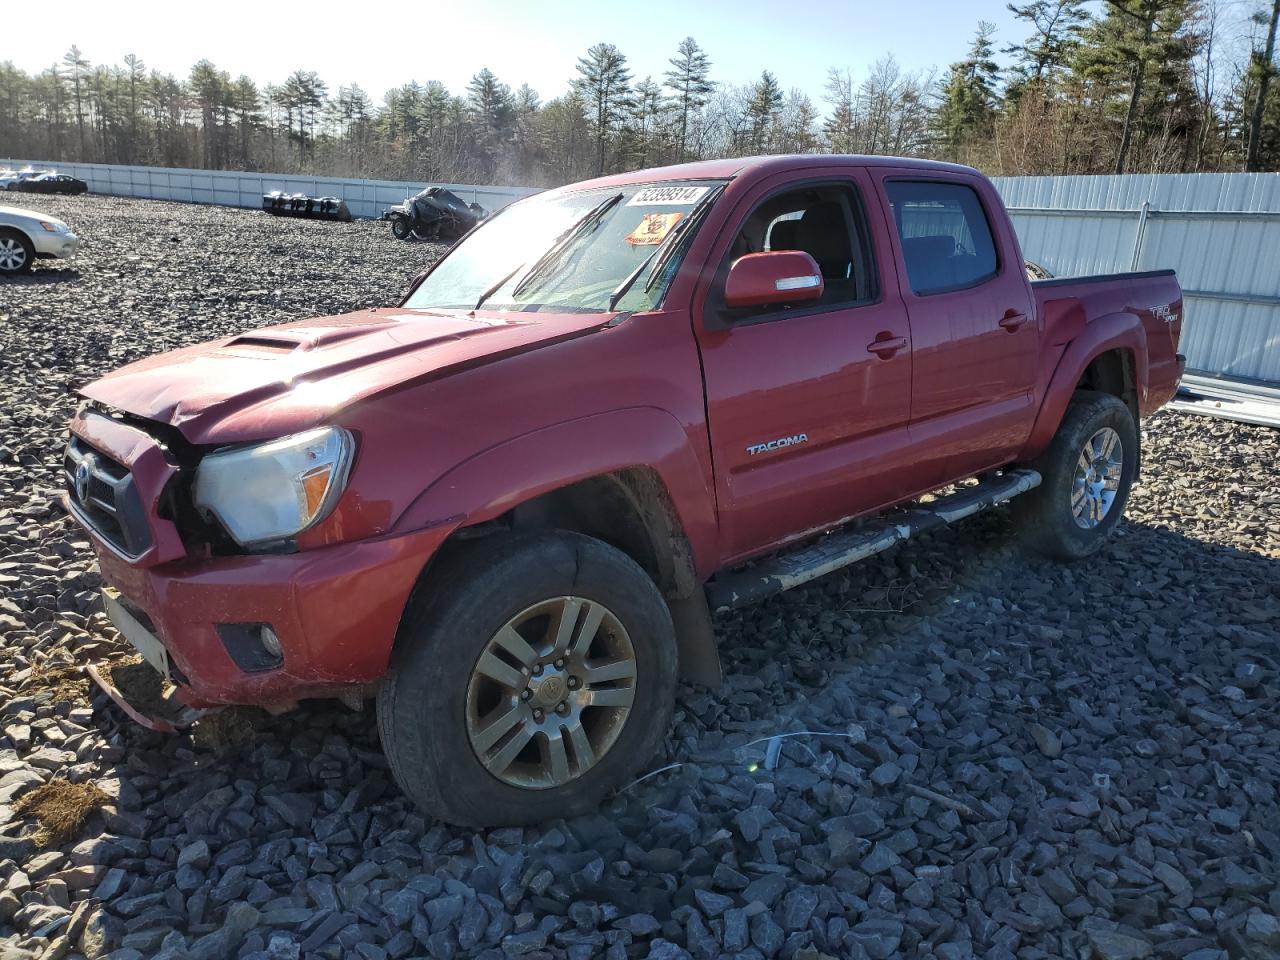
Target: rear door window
x,y
944,234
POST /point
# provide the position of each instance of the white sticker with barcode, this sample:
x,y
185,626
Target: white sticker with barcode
x,y
667,196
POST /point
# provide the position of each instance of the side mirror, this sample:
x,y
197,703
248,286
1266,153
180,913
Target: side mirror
x,y
777,276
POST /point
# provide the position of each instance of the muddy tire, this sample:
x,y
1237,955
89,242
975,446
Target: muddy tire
x,y
1086,475
534,674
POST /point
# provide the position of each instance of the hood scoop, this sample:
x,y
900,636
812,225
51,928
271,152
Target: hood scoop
x,y
289,339
252,344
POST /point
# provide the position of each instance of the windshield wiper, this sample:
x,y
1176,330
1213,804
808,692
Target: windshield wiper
x,y
695,217
497,286
662,253
548,260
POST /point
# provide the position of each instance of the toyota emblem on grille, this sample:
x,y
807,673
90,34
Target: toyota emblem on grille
x,y
84,470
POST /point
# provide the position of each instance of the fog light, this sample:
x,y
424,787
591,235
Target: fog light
x,y
271,643
253,647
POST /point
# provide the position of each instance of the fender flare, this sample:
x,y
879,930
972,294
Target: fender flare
x,y
507,474
1116,331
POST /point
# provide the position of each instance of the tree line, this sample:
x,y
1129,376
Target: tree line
x,y
1131,86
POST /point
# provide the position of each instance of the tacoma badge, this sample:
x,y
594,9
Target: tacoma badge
x,y
777,444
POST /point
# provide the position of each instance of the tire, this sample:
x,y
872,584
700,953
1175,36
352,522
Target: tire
x,y
400,228
435,705
1079,481
17,255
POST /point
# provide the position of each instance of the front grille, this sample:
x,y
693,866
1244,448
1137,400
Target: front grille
x,y
106,497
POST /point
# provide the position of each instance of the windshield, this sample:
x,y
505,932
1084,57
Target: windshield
x,y
573,252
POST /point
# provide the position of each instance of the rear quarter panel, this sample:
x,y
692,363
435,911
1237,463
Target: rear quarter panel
x,y
1139,314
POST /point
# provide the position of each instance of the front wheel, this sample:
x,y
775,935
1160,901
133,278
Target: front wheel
x,y
401,229
1086,475
16,252
534,675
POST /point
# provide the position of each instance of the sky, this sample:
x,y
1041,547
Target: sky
x,y
522,41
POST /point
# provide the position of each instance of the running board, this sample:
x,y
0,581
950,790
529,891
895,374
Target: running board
x,y
842,548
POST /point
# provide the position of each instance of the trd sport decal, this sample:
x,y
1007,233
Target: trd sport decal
x,y
778,444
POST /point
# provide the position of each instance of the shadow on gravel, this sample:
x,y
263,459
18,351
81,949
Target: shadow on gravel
x,y
41,276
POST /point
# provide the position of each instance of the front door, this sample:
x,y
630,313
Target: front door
x,y
807,404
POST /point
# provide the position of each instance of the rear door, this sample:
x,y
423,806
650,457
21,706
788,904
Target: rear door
x,y
807,404
974,324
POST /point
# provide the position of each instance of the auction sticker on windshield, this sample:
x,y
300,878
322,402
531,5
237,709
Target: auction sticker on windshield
x,y
667,196
652,228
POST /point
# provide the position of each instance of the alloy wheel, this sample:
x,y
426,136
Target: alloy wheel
x,y
12,254
551,692
1097,478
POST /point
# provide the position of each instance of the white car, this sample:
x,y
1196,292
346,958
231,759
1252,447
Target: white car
x,y
26,236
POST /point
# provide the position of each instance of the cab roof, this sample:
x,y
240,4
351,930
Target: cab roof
x,y
758,167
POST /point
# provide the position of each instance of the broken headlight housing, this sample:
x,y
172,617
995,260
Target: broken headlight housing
x,y
273,491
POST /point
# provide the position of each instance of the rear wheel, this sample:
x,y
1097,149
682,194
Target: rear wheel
x,y
16,252
536,675
1086,475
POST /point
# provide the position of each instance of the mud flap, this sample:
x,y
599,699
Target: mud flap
x,y
699,658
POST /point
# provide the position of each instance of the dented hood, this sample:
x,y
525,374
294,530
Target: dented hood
x,y
277,380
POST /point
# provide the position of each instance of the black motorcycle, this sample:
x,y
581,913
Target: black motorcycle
x,y
434,214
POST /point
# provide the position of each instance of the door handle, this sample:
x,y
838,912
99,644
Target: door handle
x,y
1012,320
887,347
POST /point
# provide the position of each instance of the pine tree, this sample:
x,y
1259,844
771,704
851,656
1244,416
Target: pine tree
x,y
603,84
689,80
136,71
246,103
209,89
840,126
489,105
76,66
1262,69
969,98
1056,24
1138,43
766,101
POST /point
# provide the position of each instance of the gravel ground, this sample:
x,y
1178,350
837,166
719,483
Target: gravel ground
x,y
950,751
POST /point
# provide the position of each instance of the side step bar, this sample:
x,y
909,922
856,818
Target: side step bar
x,y
842,548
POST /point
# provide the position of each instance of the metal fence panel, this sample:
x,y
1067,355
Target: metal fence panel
x,y
1219,231
365,198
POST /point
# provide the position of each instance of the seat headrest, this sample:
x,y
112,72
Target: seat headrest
x,y
921,249
824,235
785,235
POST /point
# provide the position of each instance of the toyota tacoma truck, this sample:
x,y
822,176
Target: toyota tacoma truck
x,y
510,505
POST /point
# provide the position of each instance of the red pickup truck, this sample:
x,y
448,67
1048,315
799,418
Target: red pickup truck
x,y
511,504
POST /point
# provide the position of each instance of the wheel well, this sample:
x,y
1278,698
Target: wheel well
x,y
632,511
1112,372
628,509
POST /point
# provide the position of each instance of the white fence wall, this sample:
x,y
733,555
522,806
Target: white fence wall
x,y
365,198
1219,231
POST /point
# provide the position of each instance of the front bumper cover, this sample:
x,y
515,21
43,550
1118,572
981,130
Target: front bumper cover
x,y
335,611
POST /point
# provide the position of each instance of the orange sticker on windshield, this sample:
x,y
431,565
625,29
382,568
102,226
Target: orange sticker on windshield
x,y
653,227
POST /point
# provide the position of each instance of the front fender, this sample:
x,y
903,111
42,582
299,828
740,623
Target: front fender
x,y
517,470
1115,331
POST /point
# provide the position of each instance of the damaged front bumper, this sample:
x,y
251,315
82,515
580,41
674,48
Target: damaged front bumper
x,y
254,629
270,630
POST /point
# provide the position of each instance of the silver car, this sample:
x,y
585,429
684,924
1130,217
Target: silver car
x,y
27,235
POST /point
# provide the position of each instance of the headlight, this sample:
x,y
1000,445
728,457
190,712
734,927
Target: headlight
x,y
277,489
53,227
